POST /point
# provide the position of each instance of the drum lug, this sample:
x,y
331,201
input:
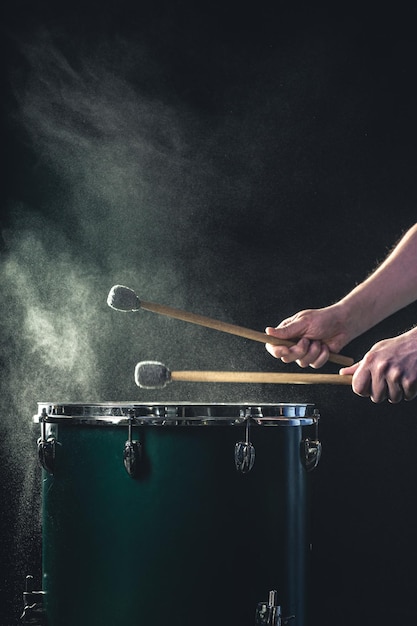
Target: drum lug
x,y
310,453
132,452
244,456
244,453
131,457
33,610
46,454
46,447
269,613
311,448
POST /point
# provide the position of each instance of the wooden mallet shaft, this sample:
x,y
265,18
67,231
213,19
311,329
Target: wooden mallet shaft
x,y
153,374
232,329
259,377
123,298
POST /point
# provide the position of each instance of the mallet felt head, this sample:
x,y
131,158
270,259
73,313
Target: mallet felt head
x,y
151,375
123,298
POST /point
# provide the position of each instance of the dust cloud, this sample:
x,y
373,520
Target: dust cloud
x,y
123,184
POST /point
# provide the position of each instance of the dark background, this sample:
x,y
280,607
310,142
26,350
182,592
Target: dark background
x,y
242,162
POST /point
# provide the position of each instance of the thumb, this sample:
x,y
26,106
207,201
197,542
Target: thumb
x,y
282,332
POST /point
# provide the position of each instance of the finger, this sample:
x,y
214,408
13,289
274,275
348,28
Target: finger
x,y
312,354
289,354
395,392
322,358
409,387
297,352
361,381
277,351
379,389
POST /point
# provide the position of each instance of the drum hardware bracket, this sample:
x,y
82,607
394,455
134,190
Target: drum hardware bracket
x,y
269,613
311,449
33,610
310,453
132,452
46,447
245,453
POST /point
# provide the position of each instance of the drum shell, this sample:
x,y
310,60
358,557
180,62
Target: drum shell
x,y
189,541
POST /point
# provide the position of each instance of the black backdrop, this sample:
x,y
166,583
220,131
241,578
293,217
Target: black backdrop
x,y
242,162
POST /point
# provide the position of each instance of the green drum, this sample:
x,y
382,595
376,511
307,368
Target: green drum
x,y
176,515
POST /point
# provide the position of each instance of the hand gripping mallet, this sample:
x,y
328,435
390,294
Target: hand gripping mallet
x,y
123,298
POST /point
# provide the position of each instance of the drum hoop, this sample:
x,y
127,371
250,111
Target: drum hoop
x,y
176,414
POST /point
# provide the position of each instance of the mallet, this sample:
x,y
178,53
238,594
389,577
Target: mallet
x,y
123,298
152,375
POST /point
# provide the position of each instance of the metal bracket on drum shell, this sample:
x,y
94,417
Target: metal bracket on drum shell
x,y
310,453
244,453
311,448
46,447
132,452
33,609
131,457
46,454
244,456
269,613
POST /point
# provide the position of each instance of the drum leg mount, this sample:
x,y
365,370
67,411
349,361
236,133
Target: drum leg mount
x,y
269,613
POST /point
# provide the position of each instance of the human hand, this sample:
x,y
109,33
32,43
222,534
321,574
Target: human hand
x,y
388,371
317,332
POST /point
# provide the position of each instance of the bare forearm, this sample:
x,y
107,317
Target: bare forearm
x,y
390,288
316,331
